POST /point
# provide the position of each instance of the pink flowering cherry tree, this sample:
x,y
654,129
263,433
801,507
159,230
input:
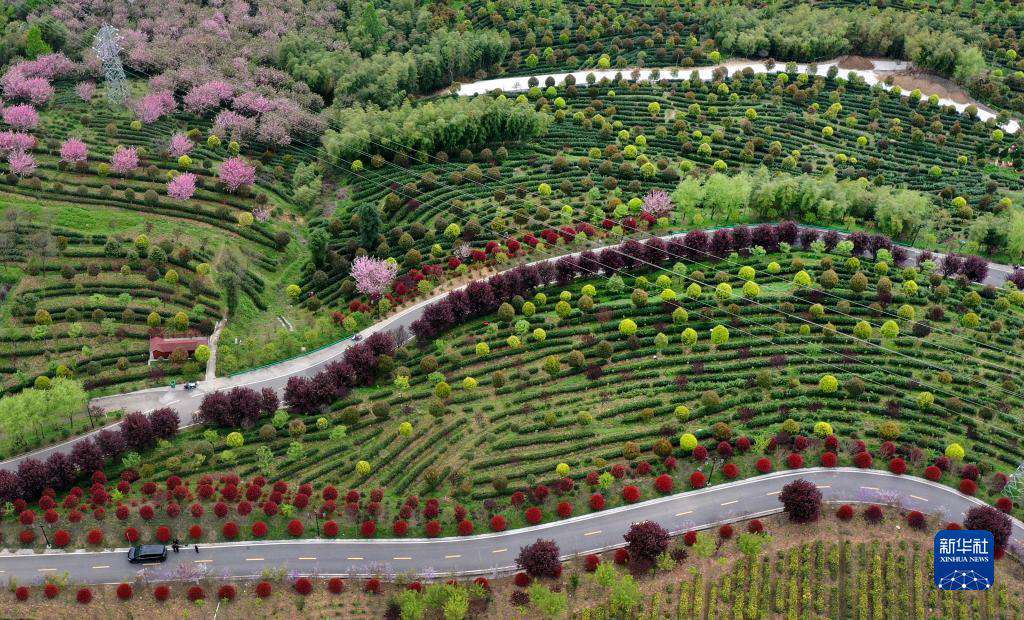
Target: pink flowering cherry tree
x,y
206,97
74,152
153,106
179,145
85,90
373,276
21,117
124,160
22,164
35,90
12,141
236,173
182,187
658,203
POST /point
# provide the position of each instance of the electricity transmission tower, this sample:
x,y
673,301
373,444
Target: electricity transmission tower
x,y
107,45
1014,488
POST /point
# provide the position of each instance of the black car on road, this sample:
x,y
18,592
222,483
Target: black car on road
x,y
147,554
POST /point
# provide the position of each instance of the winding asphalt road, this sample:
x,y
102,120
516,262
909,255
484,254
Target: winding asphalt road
x,y
276,375
494,554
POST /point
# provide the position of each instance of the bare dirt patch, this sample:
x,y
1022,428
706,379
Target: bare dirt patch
x,y
929,84
860,63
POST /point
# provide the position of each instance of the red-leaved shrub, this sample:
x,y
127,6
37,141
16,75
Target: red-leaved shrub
x,y
664,483
845,512
968,486
335,585
303,586
916,520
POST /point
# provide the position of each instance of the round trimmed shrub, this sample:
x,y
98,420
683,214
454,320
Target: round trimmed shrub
x,y
498,523
196,593
124,591
932,473
162,593
873,514
84,596
764,465
368,529
916,520
597,502
227,592
755,526
264,589
303,586
898,466
862,460
725,532
845,512
698,480
335,585
664,483
968,486
829,459
533,515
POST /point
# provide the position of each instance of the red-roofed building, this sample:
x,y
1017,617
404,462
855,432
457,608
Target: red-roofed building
x,y
162,348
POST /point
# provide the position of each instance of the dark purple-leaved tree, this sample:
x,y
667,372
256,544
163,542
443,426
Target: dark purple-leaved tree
x,y
645,542
164,422
61,471
801,500
540,559
138,432
111,443
991,519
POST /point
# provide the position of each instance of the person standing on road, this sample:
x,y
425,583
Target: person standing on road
x,y
197,548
